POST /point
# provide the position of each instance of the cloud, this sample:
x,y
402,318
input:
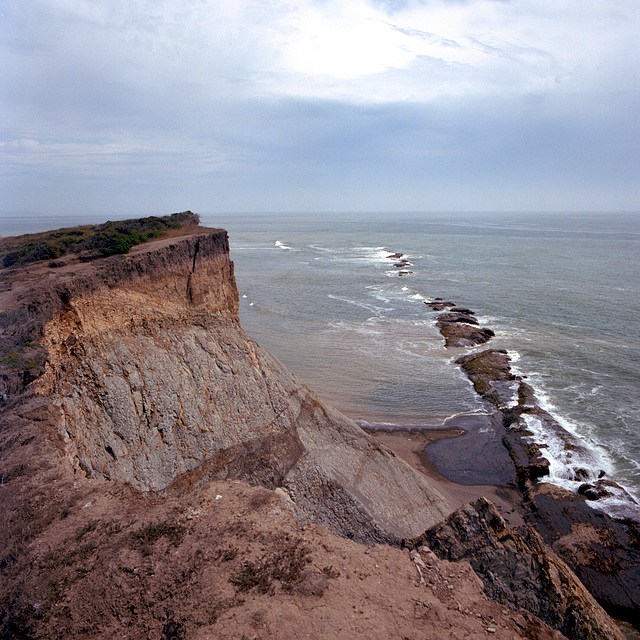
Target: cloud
x,y
320,103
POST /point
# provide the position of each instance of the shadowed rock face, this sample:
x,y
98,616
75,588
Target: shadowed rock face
x,y
518,570
154,378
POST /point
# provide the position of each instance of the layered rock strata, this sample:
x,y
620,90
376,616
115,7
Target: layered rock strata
x,y
142,385
153,377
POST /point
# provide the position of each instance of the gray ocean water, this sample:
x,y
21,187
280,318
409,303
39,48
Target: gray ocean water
x,y
562,292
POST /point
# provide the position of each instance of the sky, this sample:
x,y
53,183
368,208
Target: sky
x,y
124,108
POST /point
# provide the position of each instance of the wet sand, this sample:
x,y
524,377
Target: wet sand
x,y
409,444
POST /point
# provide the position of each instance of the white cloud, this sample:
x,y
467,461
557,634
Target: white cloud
x,y
279,92
355,50
352,49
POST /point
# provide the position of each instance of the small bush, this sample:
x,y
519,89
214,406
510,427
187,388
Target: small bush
x,y
284,566
330,572
107,239
146,537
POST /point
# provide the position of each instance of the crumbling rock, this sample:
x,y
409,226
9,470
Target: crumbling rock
x,y
458,334
156,382
518,570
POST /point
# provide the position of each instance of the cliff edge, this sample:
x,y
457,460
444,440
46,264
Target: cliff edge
x,y
153,381
136,412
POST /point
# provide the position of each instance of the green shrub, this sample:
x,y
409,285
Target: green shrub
x,y
106,239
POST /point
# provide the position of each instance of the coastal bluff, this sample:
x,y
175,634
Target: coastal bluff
x,y
163,476
151,377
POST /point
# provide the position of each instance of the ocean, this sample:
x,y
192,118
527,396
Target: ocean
x,y
561,291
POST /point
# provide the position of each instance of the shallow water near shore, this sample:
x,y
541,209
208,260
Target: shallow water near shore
x,y
562,292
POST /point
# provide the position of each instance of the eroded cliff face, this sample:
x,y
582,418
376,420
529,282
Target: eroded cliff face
x,y
154,378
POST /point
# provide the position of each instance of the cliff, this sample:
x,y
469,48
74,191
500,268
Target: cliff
x,y
152,378
138,421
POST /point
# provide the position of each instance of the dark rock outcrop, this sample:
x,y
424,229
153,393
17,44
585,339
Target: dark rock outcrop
x,y
518,570
603,551
462,310
456,316
459,327
464,335
476,457
439,305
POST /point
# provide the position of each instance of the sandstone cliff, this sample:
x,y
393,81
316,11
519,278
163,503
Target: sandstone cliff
x,y
153,377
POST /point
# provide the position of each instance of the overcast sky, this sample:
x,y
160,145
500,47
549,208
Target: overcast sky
x,y
153,106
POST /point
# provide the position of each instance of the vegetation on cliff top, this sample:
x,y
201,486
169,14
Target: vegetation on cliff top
x,y
91,241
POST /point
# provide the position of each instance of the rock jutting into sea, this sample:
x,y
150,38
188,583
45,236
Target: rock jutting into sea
x,y
459,326
401,263
603,551
518,570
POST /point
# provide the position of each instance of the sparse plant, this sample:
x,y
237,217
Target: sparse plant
x,y
285,566
90,526
106,239
228,554
145,537
330,572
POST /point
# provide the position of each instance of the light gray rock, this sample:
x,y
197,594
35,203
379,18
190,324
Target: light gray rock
x,y
155,379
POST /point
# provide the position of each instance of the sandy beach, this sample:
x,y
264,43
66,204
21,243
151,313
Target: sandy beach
x,y
409,444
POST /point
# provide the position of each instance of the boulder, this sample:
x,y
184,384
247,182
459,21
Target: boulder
x,y
462,310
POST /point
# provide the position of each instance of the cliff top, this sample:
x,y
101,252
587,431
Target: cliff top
x,y
32,261
89,242
33,285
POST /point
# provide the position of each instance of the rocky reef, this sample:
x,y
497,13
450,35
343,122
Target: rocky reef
x,y
602,550
459,326
162,476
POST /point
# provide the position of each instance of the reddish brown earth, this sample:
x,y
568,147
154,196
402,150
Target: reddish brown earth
x,y
229,561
